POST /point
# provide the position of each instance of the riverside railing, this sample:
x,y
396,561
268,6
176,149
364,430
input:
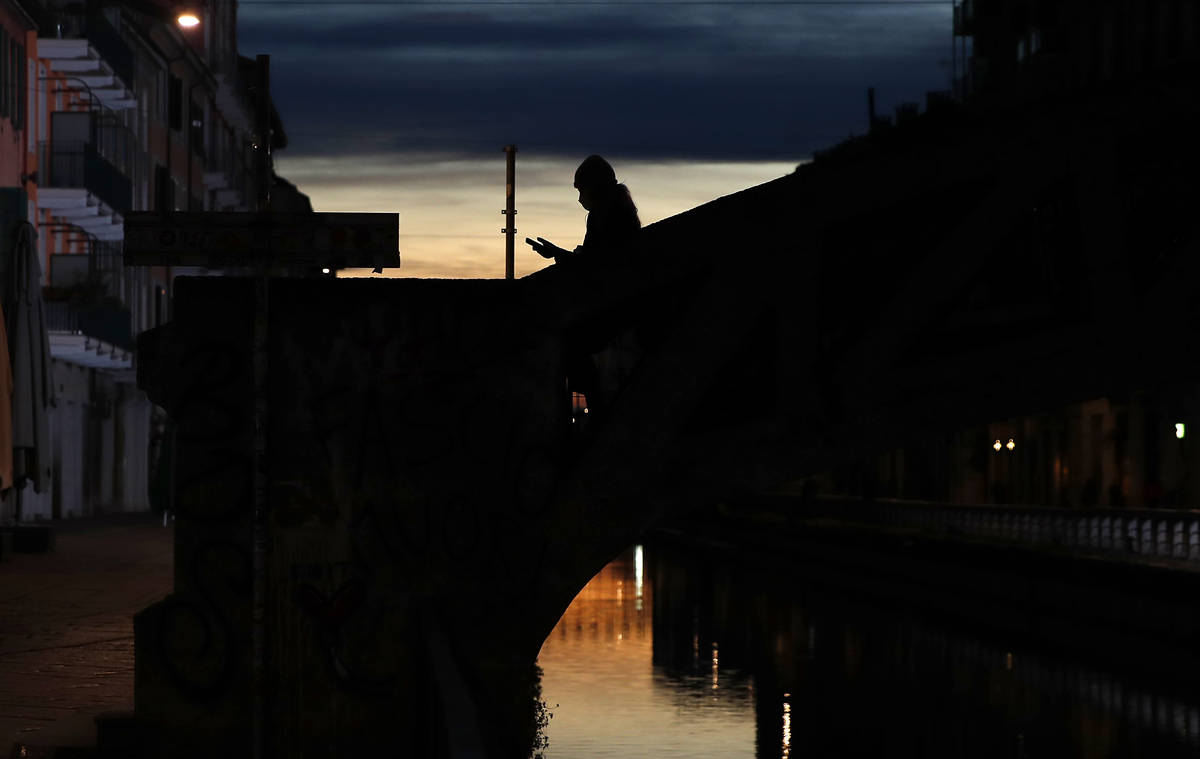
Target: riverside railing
x,y
1148,533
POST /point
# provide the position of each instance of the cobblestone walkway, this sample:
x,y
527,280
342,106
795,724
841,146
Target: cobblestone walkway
x,y
66,626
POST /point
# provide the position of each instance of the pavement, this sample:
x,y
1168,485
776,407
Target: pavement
x,y
66,627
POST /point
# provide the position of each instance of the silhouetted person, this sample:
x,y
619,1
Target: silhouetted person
x,y
612,222
612,217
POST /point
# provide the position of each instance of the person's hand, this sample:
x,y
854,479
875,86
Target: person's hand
x,y
545,248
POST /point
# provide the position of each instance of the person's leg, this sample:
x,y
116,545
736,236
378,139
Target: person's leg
x,y
583,378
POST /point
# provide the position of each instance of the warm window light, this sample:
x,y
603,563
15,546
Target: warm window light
x,y
1179,430
187,20
997,446
1010,444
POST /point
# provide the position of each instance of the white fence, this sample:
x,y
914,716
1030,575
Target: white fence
x,y
1151,533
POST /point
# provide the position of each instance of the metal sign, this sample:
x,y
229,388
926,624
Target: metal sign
x,y
223,239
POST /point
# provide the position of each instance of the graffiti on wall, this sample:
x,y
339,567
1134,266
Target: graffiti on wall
x,y
429,446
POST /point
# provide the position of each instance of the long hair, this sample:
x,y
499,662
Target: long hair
x,y
598,174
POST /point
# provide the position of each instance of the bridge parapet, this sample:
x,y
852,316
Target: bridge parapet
x,y
416,432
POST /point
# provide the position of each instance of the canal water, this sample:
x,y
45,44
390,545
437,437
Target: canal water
x,y
671,653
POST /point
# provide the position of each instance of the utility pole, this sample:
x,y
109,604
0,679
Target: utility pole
x,y
955,25
510,210
259,517
263,127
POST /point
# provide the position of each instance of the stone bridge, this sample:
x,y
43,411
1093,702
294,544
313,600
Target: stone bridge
x,y
432,508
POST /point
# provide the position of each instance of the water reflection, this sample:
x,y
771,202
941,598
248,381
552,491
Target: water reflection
x,y
725,662
608,697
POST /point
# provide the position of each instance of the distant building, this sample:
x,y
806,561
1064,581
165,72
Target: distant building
x,y
1132,451
1039,47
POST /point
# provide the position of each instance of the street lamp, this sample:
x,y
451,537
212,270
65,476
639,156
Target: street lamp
x,y
185,13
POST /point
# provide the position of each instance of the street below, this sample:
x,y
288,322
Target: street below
x,y
66,626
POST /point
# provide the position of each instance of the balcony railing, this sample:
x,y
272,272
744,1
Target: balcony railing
x,y
77,164
100,35
105,259
1144,533
108,322
100,266
62,317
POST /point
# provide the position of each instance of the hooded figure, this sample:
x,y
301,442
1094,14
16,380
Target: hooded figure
x,y
612,223
612,216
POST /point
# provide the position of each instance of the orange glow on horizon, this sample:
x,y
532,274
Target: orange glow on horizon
x,y
450,206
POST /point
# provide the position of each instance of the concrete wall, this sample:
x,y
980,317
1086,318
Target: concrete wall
x,y
415,434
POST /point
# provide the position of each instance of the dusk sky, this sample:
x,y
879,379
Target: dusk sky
x,y
406,106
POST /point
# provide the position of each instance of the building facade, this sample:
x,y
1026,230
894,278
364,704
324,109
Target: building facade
x,y
1031,48
1131,444
109,108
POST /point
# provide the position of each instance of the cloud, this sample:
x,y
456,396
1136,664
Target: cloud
x,y
706,82
403,110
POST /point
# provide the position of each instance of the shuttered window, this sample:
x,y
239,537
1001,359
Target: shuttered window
x,y
5,73
14,76
22,86
175,102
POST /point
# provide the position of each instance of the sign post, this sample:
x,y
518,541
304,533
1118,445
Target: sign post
x,y
510,208
229,240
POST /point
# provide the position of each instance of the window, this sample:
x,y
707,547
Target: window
x,y
5,43
174,102
196,127
164,190
12,79
160,304
15,54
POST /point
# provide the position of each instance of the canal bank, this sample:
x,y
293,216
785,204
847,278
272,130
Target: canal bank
x,y
1087,606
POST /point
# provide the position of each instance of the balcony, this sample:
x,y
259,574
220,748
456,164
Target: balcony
x,y
87,321
97,337
98,270
83,188
86,48
232,182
